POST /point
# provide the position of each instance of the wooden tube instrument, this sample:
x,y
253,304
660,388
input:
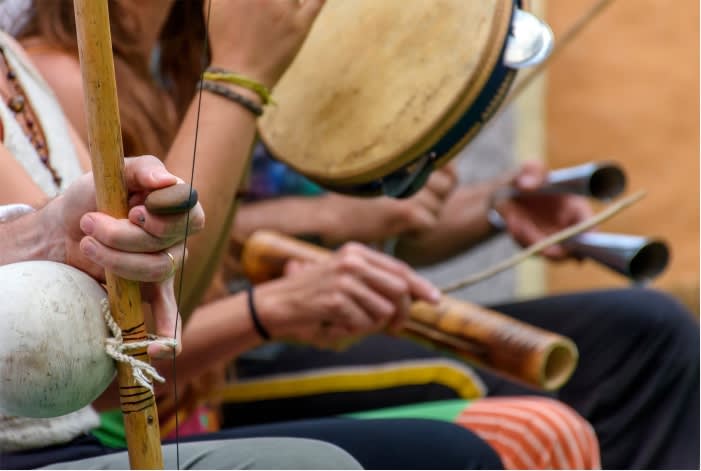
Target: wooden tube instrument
x,y
483,337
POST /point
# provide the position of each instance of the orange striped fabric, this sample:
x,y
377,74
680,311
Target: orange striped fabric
x,y
533,433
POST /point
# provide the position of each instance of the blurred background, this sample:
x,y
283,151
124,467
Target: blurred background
x,y
626,89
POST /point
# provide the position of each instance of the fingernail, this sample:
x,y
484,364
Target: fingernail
x,y
140,217
88,248
528,181
87,224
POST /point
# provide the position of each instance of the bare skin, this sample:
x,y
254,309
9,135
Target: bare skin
x,y
70,230
226,134
267,34
463,222
358,291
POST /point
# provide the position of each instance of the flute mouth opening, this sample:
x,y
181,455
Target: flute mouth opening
x,y
559,366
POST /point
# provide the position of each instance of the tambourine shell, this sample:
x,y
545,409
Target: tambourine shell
x,y
378,84
52,340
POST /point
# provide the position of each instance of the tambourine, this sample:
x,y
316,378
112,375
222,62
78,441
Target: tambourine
x,y
383,92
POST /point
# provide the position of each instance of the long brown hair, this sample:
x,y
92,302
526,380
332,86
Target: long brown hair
x,y
146,129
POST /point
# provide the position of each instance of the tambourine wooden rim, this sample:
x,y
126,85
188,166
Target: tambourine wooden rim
x,y
449,131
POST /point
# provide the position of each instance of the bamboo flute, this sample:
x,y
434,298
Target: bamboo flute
x,y
481,336
138,404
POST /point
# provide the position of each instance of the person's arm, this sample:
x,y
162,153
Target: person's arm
x,y
225,133
529,218
24,239
16,186
255,39
357,291
69,230
335,219
462,223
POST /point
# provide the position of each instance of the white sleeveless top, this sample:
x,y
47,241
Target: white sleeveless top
x,y
48,112
18,433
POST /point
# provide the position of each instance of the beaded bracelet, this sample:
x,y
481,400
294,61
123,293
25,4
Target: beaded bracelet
x,y
231,95
216,74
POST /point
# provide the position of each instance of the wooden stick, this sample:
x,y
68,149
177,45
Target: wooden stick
x,y
553,239
105,142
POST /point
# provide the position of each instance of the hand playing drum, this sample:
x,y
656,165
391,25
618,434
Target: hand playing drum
x,y
371,105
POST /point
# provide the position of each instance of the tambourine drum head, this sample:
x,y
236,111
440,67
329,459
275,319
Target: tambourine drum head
x,y
379,82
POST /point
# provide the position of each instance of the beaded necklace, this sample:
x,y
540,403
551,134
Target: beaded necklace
x,y
18,102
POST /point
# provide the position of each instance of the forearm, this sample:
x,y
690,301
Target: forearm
x,y
23,240
292,215
32,237
224,138
462,224
216,333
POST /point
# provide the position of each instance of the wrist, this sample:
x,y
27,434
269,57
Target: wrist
x,y
268,309
242,67
498,191
27,234
243,91
53,237
258,325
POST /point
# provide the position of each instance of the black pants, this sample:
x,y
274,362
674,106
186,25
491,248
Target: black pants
x,y
376,444
637,381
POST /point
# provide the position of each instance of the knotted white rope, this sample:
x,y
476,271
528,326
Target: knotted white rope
x,y
115,347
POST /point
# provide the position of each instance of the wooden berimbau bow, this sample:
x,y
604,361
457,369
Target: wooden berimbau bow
x,y
138,404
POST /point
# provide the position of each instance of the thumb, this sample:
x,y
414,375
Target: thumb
x,y
146,173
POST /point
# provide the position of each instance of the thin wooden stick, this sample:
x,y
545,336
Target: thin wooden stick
x,y
105,141
547,242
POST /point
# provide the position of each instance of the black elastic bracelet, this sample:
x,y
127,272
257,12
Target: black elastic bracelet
x,y
254,315
229,94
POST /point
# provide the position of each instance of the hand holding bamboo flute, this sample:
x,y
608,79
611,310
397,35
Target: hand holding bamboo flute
x,y
481,336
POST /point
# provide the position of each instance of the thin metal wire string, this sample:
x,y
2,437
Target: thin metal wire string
x,y
187,228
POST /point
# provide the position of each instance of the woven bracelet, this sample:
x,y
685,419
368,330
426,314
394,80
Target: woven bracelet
x,y
231,95
217,74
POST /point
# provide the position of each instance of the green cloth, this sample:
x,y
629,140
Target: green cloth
x,y
447,411
111,431
112,435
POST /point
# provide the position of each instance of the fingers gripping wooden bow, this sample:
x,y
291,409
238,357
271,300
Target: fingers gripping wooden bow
x,y
138,404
